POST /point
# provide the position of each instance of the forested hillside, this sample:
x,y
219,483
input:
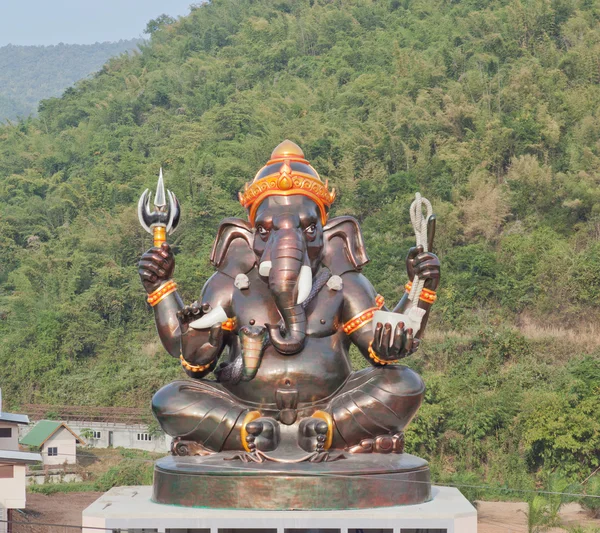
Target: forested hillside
x,y
29,74
490,108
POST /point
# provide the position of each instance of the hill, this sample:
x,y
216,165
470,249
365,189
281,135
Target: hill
x,y
490,109
29,74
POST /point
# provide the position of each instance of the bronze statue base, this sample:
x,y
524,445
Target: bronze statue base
x,y
222,481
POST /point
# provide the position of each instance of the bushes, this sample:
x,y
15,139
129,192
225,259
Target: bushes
x,y
128,472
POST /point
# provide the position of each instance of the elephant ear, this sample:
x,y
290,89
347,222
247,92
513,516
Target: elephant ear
x,y
343,246
232,251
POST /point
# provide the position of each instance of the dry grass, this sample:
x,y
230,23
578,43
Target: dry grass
x,y
585,337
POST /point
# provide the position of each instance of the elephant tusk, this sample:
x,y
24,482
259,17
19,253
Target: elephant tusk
x,y
265,268
211,318
304,284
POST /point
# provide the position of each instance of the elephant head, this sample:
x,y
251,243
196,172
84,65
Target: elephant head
x,y
288,239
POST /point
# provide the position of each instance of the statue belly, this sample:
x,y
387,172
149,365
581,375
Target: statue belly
x,y
317,372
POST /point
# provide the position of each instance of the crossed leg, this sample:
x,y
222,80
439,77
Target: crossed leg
x,y
375,403
201,412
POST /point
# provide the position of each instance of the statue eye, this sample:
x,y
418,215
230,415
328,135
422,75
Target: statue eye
x,y
262,231
311,230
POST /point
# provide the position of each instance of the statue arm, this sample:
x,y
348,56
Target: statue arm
x,y
359,297
199,347
203,347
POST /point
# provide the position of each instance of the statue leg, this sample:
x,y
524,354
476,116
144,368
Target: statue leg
x,y
200,412
373,408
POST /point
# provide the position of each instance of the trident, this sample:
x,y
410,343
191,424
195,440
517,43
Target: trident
x,y
165,218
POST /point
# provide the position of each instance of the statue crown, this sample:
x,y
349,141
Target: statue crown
x,y
287,173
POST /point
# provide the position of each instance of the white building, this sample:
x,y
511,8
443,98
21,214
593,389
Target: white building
x,y
105,427
120,434
13,464
55,440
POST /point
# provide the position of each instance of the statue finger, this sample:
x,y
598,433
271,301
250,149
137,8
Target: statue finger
x,y
415,346
149,265
426,256
420,266
412,253
147,276
386,336
206,307
184,312
165,249
149,254
409,341
430,274
398,342
215,336
377,336
195,308
157,259
427,265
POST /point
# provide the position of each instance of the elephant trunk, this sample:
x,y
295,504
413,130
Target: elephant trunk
x,y
290,280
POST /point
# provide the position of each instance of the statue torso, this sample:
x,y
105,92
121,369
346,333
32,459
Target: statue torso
x,y
316,372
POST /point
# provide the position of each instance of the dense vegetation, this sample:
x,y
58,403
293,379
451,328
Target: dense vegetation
x,y
490,109
29,74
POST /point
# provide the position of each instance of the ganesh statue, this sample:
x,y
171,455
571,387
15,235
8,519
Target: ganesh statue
x,y
266,345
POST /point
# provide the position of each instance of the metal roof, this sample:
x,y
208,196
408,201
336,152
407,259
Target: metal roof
x,y
43,430
89,413
12,417
7,456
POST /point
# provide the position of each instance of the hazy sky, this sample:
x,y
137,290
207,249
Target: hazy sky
x,y
80,21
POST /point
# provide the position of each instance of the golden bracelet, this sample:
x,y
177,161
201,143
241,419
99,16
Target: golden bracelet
x,y
164,290
230,324
363,318
193,368
428,296
373,356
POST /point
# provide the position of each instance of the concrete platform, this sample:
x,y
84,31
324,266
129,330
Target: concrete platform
x,y
132,508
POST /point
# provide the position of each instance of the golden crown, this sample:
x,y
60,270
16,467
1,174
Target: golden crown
x,y
287,173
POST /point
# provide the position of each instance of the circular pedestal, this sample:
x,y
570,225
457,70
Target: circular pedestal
x,y
356,482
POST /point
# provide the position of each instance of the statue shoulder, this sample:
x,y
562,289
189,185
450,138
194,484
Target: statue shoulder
x,y
355,283
359,294
218,291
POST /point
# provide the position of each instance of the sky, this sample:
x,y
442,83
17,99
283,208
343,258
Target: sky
x,y
81,21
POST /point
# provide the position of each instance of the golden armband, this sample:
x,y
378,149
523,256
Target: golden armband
x,y
358,321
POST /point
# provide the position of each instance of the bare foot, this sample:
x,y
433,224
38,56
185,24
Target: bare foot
x,y
263,434
312,434
380,444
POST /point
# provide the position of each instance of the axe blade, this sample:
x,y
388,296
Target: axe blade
x,y
174,213
144,212
160,199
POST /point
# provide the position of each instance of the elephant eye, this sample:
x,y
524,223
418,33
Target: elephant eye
x,y
311,230
262,231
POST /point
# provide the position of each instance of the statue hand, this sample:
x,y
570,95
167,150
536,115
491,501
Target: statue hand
x,y
403,342
426,265
189,313
156,266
